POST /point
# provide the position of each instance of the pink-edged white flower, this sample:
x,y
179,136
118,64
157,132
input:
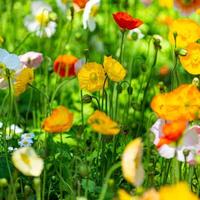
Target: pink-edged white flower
x,y
31,59
79,63
185,148
40,21
88,14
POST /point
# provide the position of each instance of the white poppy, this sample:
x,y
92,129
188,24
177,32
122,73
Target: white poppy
x,y
39,21
9,61
132,168
88,19
25,142
188,144
27,161
31,59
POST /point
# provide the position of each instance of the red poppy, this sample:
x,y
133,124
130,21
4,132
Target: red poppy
x,y
187,7
80,3
64,65
125,21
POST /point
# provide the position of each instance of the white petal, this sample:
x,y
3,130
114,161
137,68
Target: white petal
x,y
79,64
12,62
3,54
91,24
167,151
31,24
39,6
157,130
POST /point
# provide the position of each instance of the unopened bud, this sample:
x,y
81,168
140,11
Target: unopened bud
x,y
130,90
181,52
119,89
3,182
27,189
36,182
157,41
186,152
53,16
195,81
86,98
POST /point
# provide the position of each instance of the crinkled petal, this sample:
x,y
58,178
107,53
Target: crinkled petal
x,y
12,62
167,151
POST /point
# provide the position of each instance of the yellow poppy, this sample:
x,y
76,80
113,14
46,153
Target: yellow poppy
x,y
25,77
181,103
91,77
59,121
114,69
188,31
102,123
123,195
191,62
132,168
166,3
151,194
180,191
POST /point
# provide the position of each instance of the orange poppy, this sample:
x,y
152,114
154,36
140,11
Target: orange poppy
x,y
59,121
187,7
181,103
80,3
64,65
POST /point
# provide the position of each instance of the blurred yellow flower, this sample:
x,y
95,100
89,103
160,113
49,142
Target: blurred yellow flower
x,y
103,124
151,194
114,69
1,40
91,77
123,195
191,62
27,161
180,191
166,3
181,103
132,168
24,78
188,31
59,121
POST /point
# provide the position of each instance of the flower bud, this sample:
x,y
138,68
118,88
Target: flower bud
x,y
27,189
186,152
119,89
181,52
83,170
3,182
87,98
195,81
130,90
157,41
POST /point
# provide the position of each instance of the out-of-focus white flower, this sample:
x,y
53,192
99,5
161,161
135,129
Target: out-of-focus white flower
x,y
27,136
39,21
13,130
89,13
31,59
79,63
189,142
135,34
10,149
25,142
9,61
27,161
63,4
1,124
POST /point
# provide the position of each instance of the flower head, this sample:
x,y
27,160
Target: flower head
x,y
114,69
175,138
26,142
27,161
59,121
187,6
125,21
90,10
166,3
24,78
123,195
179,191
101,123
31,59
187,30
8,61
39,21
191,62
64,65
132,168
181,103
80,3
91,77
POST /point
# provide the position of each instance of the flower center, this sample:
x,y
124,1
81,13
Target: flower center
x,y
25,158
93,77
43,18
